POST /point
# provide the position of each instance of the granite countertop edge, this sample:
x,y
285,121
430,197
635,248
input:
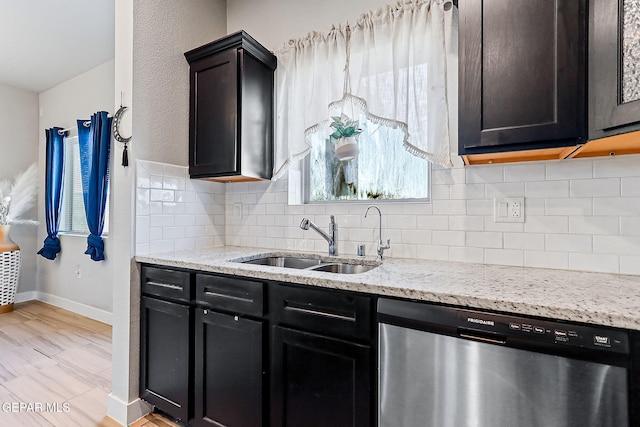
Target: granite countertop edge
x,y
595,298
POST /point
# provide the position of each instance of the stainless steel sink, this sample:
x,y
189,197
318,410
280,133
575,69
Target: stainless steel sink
x,y
285,261
343,268
316,264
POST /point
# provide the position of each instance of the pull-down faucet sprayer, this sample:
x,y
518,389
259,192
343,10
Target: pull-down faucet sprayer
x,y
331,238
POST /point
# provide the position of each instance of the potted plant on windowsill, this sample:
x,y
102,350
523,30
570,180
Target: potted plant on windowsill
x,y
16,199
345,132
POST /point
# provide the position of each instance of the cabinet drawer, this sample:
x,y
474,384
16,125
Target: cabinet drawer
x,y
329,312
166,283
241,296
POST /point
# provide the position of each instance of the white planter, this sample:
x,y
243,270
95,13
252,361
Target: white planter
x,y
347,148
9,270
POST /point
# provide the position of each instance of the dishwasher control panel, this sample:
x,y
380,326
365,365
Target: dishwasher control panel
x,y
493,327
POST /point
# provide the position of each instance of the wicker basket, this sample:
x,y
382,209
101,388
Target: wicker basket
x,y
9,270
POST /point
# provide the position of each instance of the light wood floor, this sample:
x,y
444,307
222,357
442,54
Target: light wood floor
x,y
55,369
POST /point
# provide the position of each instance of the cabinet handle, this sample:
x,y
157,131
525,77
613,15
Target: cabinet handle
x,y
219,295
320,313
165,285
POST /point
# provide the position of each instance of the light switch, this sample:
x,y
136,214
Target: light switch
x,y
508,209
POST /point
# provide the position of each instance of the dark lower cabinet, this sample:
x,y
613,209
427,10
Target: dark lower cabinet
x,y
228,351
319,381
164,355
228,370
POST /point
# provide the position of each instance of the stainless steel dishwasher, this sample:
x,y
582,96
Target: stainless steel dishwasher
x,y
450,367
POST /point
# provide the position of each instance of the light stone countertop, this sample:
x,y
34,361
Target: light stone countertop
x,y
596,298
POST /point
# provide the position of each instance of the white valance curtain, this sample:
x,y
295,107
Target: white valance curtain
x,y
397,64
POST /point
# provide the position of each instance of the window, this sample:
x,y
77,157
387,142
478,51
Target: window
x,y
73,219
384,169
387,70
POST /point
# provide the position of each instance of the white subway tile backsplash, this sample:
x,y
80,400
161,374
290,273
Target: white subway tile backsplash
x,y
507,189
579,214
596,225
520,172
483,239
432,222
504,257
449,207
173,233
543,259
569,169
466,254
448,238
568,243
466,191
629,226
620,245
630,264
623,206
616,167
480,207
546,224
546,189
569,206
531,241
155,181
172,208
467,223
630,186
602,187
485,173
594,262
161,220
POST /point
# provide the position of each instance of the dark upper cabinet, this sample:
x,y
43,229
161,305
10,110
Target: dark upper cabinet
x,y
231,109
521,75
614,67
165,348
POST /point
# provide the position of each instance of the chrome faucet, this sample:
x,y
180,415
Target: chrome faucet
x,y
381,246
332,237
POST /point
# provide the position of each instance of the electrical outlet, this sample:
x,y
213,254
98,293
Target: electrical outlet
x,y
508,209
237,210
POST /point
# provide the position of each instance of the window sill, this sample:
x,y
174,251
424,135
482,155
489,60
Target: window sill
x,y
78,234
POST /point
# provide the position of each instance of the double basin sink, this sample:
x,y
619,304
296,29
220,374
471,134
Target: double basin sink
x,y
315,264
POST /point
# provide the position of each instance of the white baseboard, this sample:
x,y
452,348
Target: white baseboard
x,y
67,304
125,413
26,296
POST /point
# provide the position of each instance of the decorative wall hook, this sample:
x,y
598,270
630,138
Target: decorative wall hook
x,y
117,118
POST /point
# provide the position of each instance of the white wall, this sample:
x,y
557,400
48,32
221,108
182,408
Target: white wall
x,y
62,105
163,31
272,22
19,145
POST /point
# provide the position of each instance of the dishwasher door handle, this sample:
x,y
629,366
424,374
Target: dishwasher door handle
x,y
491,339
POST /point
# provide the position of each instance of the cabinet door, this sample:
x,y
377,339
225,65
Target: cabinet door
x,y
164,356
228,370
213,121
521,75
319,381
614,67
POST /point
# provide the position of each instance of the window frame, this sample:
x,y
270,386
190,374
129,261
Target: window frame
x,y
67,200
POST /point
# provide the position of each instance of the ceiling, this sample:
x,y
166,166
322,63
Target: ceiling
x,y
45,42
